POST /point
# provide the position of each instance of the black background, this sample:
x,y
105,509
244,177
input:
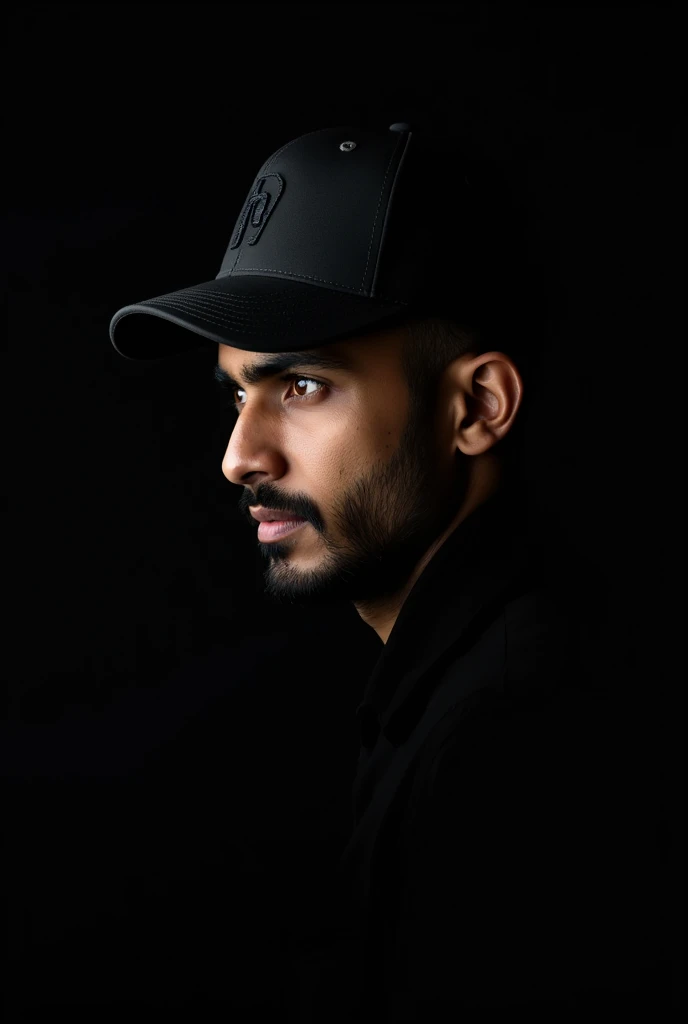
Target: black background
x,y
179,753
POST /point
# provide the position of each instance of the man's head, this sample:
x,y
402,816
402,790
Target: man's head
x,y
350,238
382,456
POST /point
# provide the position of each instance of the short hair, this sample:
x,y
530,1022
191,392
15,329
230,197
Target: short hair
x,y
431,344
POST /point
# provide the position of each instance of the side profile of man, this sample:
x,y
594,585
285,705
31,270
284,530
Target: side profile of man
x,y
371,325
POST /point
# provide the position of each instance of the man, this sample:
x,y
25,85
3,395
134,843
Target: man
x,y
369,317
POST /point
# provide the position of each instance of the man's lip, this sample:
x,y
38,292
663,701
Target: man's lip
x,y
265,515
268,532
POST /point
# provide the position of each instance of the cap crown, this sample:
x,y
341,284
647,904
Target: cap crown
x,y
318,211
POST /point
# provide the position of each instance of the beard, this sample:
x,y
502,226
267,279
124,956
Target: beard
x,y
387,520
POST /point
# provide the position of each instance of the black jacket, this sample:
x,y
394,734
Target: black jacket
x,y
504,850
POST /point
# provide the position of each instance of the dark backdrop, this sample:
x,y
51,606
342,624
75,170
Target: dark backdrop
x,y
179,754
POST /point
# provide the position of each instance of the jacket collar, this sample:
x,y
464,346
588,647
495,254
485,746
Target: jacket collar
x,y
465,583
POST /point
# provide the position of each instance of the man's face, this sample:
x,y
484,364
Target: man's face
x,y
376,482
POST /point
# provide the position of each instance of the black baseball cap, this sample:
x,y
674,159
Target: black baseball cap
x,y
344,229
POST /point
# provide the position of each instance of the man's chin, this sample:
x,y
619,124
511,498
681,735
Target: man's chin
x,y
302,595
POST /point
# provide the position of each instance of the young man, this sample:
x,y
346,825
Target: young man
x,y
370,316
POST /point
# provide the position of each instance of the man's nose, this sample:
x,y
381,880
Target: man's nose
x,y
252,451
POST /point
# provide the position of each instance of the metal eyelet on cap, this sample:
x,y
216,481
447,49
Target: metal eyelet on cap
x,y
346,147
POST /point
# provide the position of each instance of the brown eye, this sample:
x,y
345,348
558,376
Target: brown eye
x,y
302,383
299,384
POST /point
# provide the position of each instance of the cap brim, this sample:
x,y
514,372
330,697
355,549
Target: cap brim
x,y
257,314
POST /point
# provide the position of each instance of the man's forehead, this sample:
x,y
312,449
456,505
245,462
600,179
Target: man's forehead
x,y
237,367
237,356
352,354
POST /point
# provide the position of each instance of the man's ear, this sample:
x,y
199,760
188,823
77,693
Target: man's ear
x,y
487,391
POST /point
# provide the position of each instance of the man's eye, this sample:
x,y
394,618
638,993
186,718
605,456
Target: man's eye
x,y
302,382
297,380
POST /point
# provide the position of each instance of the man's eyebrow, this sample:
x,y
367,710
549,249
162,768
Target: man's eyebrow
x,y
254,373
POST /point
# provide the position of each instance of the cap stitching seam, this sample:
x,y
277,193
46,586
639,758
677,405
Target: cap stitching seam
x,y
388,212
231,314
224,301
377,211
195,304
224,298
305,277
223,321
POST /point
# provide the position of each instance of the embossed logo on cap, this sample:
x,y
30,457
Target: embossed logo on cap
x,y
258,209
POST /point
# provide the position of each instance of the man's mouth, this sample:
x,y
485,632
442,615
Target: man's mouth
x,y
274,528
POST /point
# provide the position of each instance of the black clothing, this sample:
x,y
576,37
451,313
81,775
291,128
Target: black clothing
x,y
500,851
503,851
